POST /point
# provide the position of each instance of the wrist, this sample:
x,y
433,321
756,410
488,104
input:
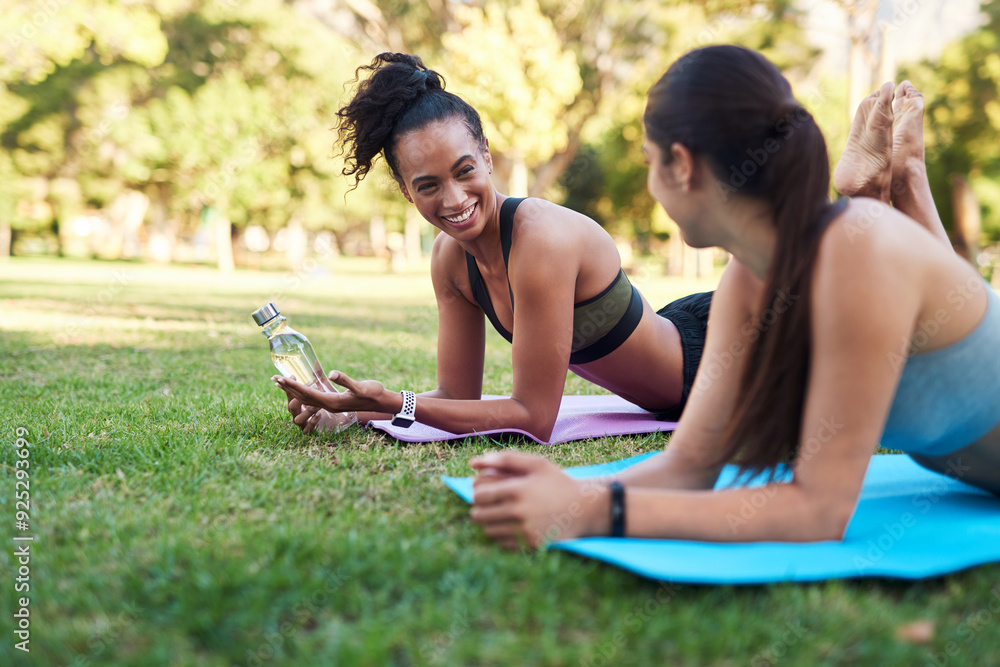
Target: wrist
x,y
407,413
389,402
599,514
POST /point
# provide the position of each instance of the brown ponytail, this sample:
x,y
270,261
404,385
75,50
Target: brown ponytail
x,y
735,109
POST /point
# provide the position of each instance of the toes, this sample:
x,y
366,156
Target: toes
x,y
875,111
883,96
907,98
906,89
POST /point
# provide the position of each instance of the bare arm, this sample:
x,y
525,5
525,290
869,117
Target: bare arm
x,y
687,461
862,307
461,340
544,293
543,324
461,333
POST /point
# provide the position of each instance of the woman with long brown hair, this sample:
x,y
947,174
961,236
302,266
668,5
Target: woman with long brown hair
x,y
835,327
548,279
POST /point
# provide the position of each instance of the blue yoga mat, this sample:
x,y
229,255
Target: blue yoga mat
x,y
910,523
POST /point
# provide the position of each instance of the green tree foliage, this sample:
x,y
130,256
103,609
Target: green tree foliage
x,y
550,77
48,49
608,179
963,110
512,69
197,104
229,105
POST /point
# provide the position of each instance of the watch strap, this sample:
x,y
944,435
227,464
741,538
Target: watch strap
x,y
407,414
617,509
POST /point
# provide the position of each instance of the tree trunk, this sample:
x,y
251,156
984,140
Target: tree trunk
x,y
411,231
160,237
135,213
296,252
684,260
224,243
5,236
518,177
967,219
124,215
549,173
377,235
675,254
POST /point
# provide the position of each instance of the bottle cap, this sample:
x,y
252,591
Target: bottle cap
x,y
265,314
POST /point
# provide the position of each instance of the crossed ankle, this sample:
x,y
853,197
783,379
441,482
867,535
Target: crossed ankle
x,y
910,179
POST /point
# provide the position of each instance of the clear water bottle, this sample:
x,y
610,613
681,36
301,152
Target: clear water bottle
x,y
291,352
293,355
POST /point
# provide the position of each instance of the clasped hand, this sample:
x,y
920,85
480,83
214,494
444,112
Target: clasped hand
x,y
525,497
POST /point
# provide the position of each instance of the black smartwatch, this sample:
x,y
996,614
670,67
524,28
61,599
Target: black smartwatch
x,y
617,509
407,414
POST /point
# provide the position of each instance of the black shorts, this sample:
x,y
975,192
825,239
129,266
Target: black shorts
x,y
690,315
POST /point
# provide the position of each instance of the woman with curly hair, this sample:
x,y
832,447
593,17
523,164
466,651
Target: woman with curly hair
x,y
548,279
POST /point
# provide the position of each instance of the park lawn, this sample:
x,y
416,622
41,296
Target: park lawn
x,y
181,519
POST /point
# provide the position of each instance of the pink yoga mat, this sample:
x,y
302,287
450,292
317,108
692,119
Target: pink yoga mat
x,y
580,418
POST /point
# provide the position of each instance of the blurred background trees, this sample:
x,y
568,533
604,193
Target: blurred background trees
x,y
200,131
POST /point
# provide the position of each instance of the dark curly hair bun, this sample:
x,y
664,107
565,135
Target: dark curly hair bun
x,y
399,96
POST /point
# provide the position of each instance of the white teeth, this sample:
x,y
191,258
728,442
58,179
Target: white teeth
x,y
463,217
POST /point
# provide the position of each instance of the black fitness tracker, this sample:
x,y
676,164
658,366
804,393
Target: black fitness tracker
x,y
617,509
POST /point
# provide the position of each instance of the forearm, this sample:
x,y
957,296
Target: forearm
x,y
475,416
780,512
465,416
665,470
365,417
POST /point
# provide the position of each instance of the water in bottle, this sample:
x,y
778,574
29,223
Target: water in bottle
x,y
291,352
293,355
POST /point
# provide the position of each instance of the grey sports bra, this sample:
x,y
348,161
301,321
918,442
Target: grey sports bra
x,y
600,324
949,398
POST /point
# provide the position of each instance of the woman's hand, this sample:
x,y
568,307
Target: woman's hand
x,y
321,405
312,419
526,497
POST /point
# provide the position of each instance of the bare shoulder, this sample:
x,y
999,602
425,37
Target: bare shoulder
x,y
545,222
447,250
448,264
739,282
545,232
871,263
869,225
871,240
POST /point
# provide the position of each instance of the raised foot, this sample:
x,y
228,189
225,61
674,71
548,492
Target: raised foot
x,y
907,137
865,168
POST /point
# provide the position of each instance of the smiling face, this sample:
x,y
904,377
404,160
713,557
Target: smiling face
x,y
445,173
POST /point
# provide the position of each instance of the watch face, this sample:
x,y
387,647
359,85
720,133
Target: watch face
x,y
402,421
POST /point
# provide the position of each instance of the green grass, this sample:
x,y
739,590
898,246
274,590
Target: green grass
x,y
181,519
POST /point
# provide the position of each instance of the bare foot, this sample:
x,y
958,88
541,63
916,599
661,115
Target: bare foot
x,y
907,137
911,192
864,170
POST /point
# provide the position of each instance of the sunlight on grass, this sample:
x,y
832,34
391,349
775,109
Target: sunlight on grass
x,y
181,519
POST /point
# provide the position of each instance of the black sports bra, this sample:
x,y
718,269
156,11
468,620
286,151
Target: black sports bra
x,y
600,324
